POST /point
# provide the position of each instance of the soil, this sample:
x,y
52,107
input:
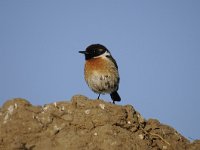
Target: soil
x,y
84,124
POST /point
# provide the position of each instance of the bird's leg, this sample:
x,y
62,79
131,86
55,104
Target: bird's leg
x,y
98,96
113,102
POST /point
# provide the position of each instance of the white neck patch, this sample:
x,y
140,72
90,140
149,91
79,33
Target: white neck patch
x,y
103,55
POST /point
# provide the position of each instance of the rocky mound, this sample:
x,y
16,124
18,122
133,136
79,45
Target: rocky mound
x,y
84,124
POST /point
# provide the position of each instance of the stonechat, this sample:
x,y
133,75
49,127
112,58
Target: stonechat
x,y
101,71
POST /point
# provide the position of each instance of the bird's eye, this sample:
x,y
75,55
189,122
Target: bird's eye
x,y
95,51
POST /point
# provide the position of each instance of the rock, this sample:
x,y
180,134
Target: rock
x,y
84,124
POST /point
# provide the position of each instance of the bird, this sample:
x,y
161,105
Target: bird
x,y
101,71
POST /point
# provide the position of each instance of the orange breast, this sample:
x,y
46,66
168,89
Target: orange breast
x,y
101,66
95,64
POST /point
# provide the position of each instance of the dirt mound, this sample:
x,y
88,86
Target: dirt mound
x,y
84,124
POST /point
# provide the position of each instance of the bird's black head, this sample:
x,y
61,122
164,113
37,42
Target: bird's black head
x,y
94,50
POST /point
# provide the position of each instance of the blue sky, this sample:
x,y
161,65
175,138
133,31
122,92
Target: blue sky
x,y
155,43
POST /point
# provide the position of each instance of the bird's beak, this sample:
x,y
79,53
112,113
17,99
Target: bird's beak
x,y
83,52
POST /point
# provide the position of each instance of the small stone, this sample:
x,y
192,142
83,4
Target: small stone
x,y
56,128
102,106
15,106
55,104
45,108
62,108
140,118
164,147
87,111
141,136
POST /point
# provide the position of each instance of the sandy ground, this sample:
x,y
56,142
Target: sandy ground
x,y
84,124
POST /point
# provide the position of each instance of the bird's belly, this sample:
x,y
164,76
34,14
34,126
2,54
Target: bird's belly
x,y
102,83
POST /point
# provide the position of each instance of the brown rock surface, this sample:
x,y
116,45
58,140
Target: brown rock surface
x,y
84,124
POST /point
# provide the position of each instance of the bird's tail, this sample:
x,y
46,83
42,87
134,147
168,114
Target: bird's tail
x,y
115,96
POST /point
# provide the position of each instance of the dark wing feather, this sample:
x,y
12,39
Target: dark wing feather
x,y
113,60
